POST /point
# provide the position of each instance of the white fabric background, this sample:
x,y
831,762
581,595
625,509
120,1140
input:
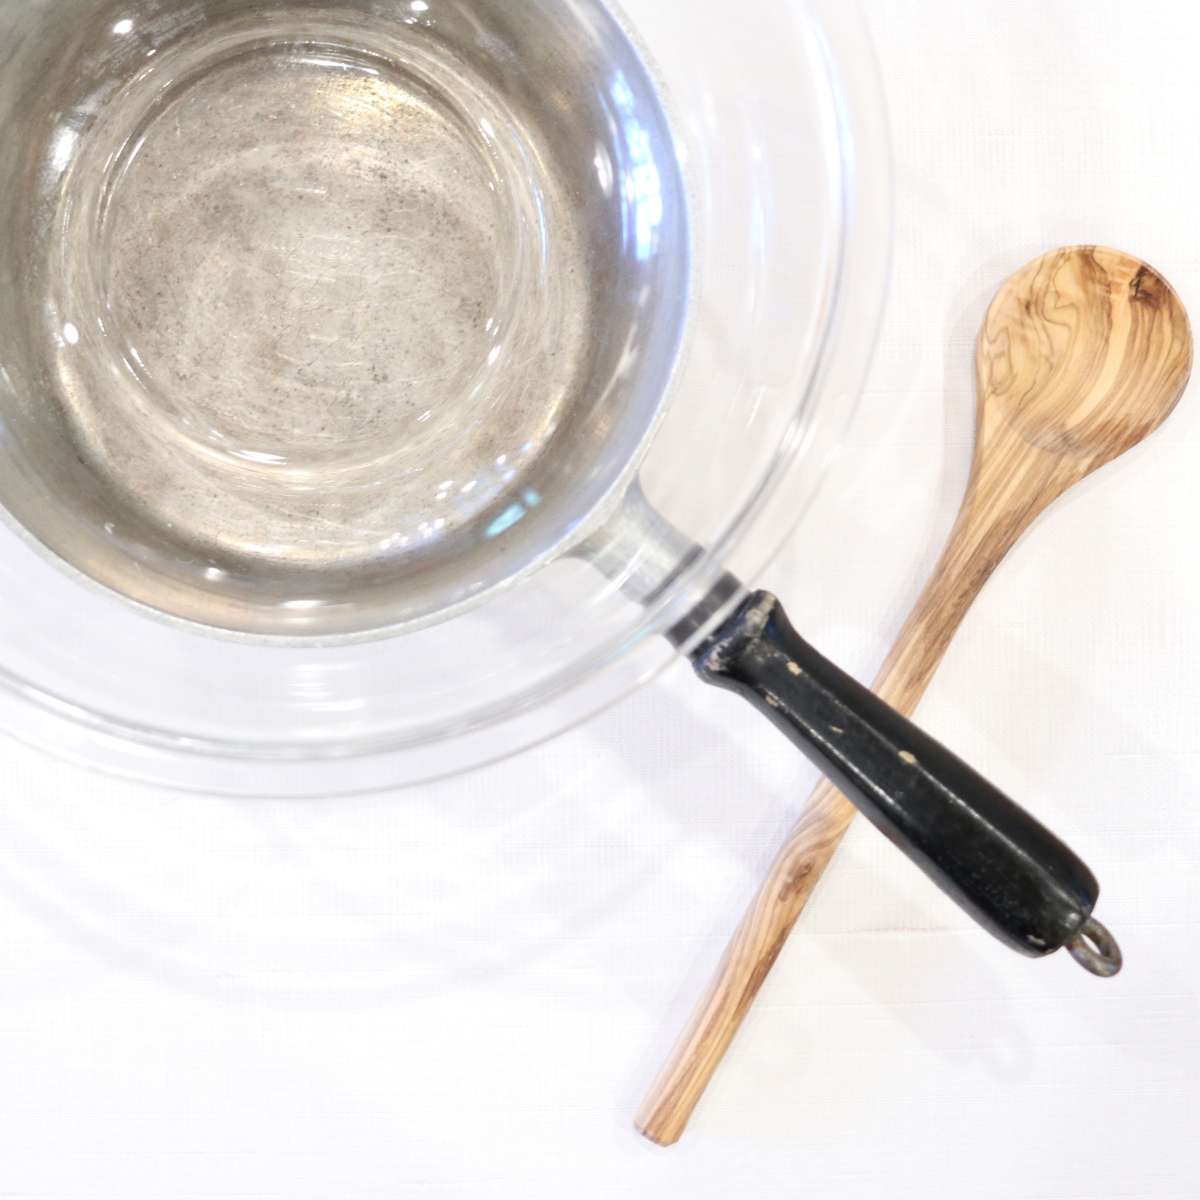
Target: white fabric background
x,y
462,991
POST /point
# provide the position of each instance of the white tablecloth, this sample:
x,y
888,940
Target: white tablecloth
x,y
462,991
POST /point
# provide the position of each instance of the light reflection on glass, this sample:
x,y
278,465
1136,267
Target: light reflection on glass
x,y
64,148
641,184
604,169
506,520
260,456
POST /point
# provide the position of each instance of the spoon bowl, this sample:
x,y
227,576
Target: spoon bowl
x,y
1084,353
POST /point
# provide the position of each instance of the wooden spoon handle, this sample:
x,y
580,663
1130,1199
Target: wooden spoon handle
x,y
991,521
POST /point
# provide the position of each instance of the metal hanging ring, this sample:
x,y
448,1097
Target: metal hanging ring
x,y
1095,949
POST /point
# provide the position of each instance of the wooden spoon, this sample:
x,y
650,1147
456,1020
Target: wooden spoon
x,y
1083,353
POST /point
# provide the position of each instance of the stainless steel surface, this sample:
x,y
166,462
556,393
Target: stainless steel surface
x,y
1096,950
320,319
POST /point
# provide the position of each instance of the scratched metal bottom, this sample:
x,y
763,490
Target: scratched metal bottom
x,y
335,310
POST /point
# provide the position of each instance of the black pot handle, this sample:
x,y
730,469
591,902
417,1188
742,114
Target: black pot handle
x,y
1003,867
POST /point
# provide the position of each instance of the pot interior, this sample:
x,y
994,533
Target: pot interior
x,y
320,319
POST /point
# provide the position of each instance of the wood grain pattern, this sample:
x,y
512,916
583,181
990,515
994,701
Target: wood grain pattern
x,y
1083,353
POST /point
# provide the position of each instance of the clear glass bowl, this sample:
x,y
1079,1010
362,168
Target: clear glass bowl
x,y
779,129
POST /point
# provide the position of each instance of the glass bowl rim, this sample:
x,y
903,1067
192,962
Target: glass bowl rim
x,y
859,282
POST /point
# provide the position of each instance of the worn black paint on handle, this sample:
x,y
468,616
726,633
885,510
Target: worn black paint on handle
x,y
1003,867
